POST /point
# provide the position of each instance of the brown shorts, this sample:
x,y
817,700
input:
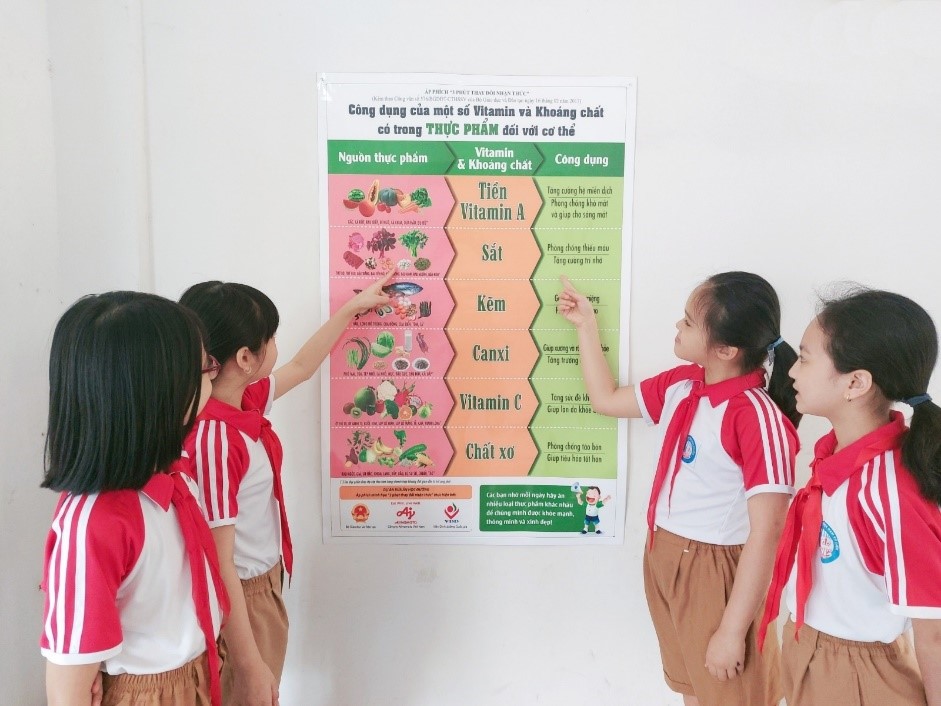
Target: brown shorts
x,y
269,621
821,669
688,585
184,686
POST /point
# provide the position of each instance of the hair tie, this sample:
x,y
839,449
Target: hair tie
x,y
771,346
917,400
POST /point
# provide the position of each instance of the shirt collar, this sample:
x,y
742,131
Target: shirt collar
x,y
719,392
160,486
159,489
834,469
246,421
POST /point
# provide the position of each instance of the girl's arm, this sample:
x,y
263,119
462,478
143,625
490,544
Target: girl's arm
x,y
305,363
603,392
928,653
253,680
725,655
73,684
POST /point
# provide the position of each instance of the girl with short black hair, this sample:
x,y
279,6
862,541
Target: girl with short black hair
x,y
131,577
237,465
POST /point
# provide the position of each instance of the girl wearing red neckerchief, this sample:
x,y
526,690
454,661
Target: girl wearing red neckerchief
x,y
722,484
860,556
134,599
237,466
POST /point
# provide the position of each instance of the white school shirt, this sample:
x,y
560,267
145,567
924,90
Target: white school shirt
x,y
118,583
235,478
878,563
739,445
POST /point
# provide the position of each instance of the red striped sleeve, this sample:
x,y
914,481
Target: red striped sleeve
x,y
219,463
653,391
760,439
93,544
899,534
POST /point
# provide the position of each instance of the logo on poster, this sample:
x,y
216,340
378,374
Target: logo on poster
x,y
451,511
360,513
406,512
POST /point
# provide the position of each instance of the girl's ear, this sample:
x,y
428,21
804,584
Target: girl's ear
x,y
859,383
245,360
726,353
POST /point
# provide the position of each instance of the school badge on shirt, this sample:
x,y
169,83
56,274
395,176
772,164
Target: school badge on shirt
x,y
689,450
829,544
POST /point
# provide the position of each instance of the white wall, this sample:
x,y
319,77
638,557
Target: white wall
x,y
797,140
71,114
27,303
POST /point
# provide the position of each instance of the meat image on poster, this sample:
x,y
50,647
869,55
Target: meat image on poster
x,y
457,412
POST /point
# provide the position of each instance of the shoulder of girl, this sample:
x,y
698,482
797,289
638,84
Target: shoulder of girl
x,y
756,401
910,490
256,395
109,517
755,410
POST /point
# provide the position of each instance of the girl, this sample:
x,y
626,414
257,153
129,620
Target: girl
x,y
237,464
131,577
866,530
722,484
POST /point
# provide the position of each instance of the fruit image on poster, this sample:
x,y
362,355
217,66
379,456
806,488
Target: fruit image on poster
x,y
457,412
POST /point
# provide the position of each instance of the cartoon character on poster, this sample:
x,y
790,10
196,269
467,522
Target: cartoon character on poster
x,y
593,503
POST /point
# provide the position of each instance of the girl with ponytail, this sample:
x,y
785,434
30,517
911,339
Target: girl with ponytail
x,y
859,561
722,483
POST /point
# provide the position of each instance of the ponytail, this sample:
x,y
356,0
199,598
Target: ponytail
x,y
895,339
780,385
921,449
741,309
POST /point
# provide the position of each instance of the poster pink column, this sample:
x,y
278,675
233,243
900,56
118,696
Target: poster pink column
x,y
389,400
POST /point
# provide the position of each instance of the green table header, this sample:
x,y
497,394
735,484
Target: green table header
x,y
581,159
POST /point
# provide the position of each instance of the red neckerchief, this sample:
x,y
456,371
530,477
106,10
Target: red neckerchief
x,y
170,488
256,426
800,538
678,429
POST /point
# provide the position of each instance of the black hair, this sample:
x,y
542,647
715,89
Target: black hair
x,y
125,375
895,340
235,315
741,309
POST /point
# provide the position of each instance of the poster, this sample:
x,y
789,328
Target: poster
x,y
457,414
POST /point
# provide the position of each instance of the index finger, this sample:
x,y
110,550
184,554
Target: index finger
x,y
384,280
567,283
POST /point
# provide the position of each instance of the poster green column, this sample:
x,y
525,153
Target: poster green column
x,y
457,413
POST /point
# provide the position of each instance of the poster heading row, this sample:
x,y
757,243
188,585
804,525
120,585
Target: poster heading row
x,y
601,159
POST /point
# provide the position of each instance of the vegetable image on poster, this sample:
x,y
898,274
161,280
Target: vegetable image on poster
x,y
456,413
